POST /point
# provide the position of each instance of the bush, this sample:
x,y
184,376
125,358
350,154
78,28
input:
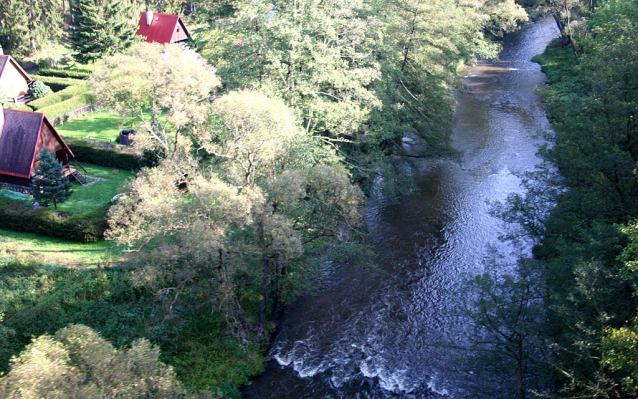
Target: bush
x,y
103,154
57,111
22,107
45,63
84,227
57,84
39,90
64,73
58,97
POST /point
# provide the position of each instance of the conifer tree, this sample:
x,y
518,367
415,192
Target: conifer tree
x,y
49,183
102,28
27,25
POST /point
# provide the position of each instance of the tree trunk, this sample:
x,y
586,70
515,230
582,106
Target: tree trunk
x,y
265,280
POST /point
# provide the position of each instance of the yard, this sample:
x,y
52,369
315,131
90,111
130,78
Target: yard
x,y
87,198
50,250
100,125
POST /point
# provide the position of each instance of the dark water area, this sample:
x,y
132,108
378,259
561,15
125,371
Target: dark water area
x,y
387,333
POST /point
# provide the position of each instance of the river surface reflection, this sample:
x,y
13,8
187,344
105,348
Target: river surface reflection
x,y
382,334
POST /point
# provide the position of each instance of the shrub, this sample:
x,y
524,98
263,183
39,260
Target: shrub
x,y
39,90
45,63
57,111
23,107
57,84
84,227
79,362
58,97
64,73
104,154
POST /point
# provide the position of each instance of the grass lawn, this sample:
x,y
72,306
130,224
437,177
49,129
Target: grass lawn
x,y
97,125
100,125
57,251
90,197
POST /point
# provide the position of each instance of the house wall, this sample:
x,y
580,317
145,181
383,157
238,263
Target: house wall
x,y
16,181
179,33
49,140
12,82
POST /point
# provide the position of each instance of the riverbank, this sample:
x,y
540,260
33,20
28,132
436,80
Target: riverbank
x,y
388,333
37,298
587,249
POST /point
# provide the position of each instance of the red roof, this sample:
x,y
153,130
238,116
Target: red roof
x,y
162,29
19,139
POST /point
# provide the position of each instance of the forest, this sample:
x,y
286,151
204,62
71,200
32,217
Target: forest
x,y
260,146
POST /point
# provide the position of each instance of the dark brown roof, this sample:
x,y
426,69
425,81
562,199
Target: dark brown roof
x,y
6,59
19,139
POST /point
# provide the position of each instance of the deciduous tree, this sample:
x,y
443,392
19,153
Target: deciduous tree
x,y
78,363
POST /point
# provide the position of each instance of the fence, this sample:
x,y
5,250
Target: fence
x,y
60,119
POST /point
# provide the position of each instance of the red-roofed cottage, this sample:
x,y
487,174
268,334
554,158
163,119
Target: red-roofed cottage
x,y
14,81
22,135
162,28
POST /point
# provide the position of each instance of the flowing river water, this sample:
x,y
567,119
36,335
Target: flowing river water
x,y
382,333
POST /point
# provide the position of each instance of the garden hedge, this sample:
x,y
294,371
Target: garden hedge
x,y
59,96
104,154
61,108
57,84
23,107
63,73
84,227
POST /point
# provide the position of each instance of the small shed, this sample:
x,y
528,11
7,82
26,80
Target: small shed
x,y
14,81
22,135
162,28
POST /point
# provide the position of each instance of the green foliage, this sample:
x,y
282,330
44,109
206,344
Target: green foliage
x,y
620,354
56,83
124,305
103,154
78,362
38,89
102,28
85,227
57,112
28,25
49,184
58,97
63,73
508,317
586,252
23,107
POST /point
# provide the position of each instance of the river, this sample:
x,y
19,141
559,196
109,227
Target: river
x,y
383,333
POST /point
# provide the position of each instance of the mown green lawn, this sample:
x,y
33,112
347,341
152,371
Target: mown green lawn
x,y
56,251
100,125
90,197
97,125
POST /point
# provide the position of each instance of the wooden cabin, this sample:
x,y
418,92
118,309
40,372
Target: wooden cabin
x,y
22,135
14,81
162,28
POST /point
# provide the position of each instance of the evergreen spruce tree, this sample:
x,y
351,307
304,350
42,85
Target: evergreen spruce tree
x,y
49,183
28,25
102,28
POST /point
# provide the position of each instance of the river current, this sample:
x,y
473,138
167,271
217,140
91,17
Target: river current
x,y
386,333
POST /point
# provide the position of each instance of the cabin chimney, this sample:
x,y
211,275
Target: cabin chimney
x,y
149,17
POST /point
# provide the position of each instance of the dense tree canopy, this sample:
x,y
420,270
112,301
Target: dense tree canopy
x,y
102,28
78,363
27,25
